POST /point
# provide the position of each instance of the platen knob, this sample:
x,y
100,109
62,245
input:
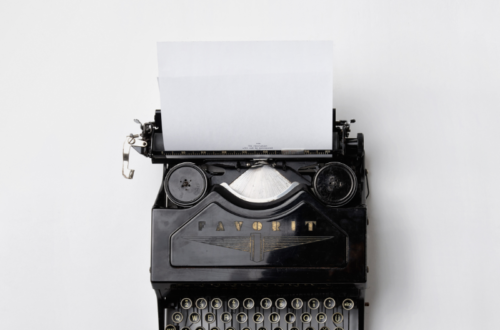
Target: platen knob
x,y
335,184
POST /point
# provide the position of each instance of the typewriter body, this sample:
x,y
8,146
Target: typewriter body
x,y
260,240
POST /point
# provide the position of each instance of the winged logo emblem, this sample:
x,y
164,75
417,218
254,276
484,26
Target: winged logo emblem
x,y
256,244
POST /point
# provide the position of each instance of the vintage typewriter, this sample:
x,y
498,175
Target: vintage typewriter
x,y
258,240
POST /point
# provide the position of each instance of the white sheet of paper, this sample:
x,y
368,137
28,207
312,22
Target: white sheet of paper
x,y
257,95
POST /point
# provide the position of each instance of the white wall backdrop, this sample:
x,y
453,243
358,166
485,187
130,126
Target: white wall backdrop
x,y
422,79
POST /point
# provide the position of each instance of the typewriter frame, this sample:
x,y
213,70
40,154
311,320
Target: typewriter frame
x,y
172,283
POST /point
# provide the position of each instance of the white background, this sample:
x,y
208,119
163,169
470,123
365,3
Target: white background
x,y
421,77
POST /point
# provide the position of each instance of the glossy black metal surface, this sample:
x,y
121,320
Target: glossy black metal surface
x,y
307,244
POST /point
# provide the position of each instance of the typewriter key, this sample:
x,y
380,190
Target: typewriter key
x,y
233,303
306,318
274,317
309,328
262,328
266,303
186,303
216,303
324,328
185,184
200,328
278,328
241,317
321,318
230,328
335,184
210,318
297,303
201,303
329,303
248,303
280,303
170,327
294,328
348,304
313,303
177,317
258,318
194,317
337,317
339,328
290,318
226,317
214,328
186,328
245,329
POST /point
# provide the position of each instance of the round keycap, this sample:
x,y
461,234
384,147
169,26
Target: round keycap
x,y
170,327
262,328
241,317
324,328
339,328
337,317
248,303
274,317
348,304
321,318
194,317
186,328
186,303
233,303
216,303
210,318
200,328
294,328
230,328
306,318
258,318
280,303
329,303
226,317
245,329
309,328
266,303
214,328
290,318
177,317
313,303
297,303
201,303
278,328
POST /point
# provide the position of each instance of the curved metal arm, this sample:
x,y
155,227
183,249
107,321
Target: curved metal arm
x,y
132,140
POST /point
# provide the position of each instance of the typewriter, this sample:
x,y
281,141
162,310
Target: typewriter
x,y
258,240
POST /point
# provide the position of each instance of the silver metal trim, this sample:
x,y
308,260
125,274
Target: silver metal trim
x,y
294,318
334,303
230,317
131,141
341,318
301,303
271,305
250,299
229,303
237,317
309,303
190,303
276,303
201,299
352,302
175,321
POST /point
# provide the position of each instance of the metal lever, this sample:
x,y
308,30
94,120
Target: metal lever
x,y
131,141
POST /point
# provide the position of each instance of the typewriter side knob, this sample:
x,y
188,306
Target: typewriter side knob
x,y
335,184
185,184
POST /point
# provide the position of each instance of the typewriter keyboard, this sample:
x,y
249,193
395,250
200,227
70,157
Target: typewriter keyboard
x,y
246,313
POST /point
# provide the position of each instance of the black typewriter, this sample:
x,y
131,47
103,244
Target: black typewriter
x,y
258,240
